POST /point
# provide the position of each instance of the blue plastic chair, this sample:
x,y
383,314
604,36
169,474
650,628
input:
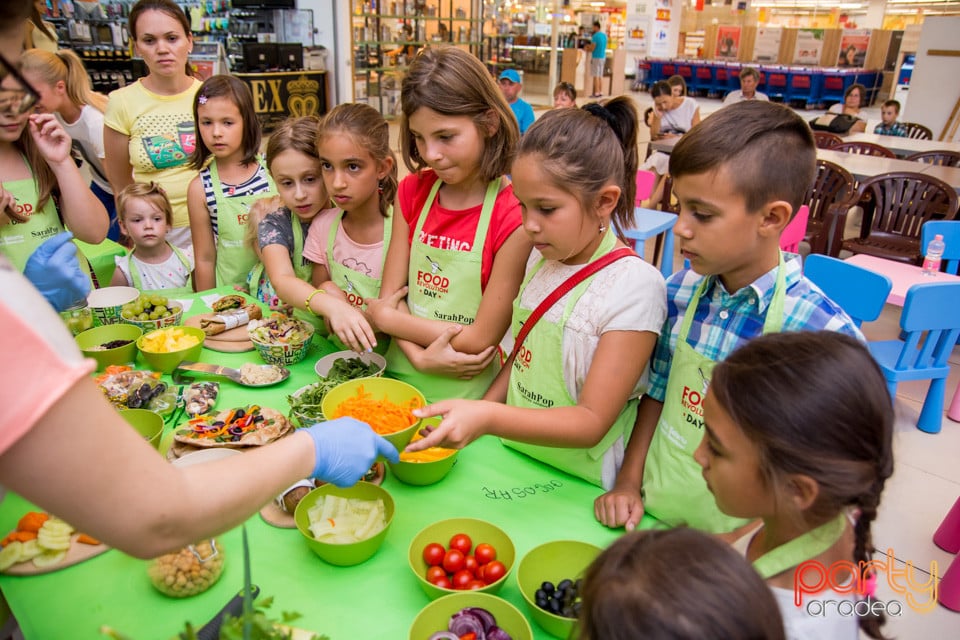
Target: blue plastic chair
x,y
860,292
931,325
950,230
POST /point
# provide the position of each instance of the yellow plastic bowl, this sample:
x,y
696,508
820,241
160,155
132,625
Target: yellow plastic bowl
x,y
480,531
107,333
147,423
395,391
424,473
168,361
436,616
344,555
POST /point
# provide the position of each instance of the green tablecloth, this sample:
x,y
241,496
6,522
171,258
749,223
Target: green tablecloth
x,y
532,502
101,258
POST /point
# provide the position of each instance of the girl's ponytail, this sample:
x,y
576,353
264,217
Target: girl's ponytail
x,y
79,89
863,548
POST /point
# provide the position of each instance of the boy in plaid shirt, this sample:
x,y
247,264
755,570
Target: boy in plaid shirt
x,y
889,125
739,176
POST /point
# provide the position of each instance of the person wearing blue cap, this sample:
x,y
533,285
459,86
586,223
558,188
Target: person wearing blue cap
x,y
510,86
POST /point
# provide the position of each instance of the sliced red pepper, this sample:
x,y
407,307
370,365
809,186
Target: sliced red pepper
x,y
469,636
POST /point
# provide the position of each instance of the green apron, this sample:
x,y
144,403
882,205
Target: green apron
x,y
137,281
303,269
444,284
357,287
800,549
673,486
234,257
20,239
537,381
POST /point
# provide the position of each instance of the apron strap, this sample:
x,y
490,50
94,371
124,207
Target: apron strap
x,y
800,549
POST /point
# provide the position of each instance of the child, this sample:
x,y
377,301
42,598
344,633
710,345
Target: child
x,y
458,242
575,175
219,198
675,584
146,218
65,90
347,244
739,176
889,125
798,432
295,167
34,161
564,95
511,86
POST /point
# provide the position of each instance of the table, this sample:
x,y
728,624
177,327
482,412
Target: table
x,y
863,166
532,502
950,175
903,276
664,145
649,223
902,146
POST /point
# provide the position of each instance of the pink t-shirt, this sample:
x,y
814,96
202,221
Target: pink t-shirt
x,y
363,258
455,229
42,361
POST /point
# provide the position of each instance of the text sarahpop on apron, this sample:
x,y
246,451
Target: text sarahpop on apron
x,y
444,284
674,490
358,287
537,381
234,257
20,239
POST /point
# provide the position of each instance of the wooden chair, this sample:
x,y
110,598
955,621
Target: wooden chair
x,y
865,149
917,131
943,158
833,184
860,292
895,207
931,324
826,140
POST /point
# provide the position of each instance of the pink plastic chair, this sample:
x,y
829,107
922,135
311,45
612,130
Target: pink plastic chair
x,y
793,233
645,183
947,538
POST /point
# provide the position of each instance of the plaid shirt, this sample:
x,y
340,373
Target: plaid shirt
x,y
723,321
895,129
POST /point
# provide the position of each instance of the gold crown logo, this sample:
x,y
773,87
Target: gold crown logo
x,y
303,85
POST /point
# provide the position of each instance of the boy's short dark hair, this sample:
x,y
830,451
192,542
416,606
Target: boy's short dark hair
x,y
771,147
892,103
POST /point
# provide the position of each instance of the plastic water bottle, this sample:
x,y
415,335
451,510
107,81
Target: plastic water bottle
x,y
931,261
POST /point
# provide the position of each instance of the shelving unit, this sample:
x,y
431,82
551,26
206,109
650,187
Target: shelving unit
x,y
381,51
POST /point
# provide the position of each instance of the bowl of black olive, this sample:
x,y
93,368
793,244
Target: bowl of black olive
x,y
549,577
110,344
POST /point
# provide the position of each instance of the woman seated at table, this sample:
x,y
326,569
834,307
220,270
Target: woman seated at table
x,y
672,117
853,99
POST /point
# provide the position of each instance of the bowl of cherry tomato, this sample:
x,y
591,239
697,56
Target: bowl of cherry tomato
x,y
461,554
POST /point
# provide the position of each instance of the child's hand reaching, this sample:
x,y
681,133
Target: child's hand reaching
x,y
53,142
621,506
350,326
463,422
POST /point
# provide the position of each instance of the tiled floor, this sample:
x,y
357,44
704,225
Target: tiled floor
x,y
926,479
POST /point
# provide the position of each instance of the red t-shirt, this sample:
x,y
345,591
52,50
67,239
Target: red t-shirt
x,y
455,229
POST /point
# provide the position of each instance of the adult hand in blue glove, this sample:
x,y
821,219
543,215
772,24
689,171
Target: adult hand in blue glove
x,y
55,271
346,449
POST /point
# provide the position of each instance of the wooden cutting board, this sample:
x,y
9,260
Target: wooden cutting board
x,y
76,554
233,340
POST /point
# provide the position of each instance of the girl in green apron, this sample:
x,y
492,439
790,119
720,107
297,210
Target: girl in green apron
x,y
456,252
145,217
229,132
798,433
34,162
347,244
571,389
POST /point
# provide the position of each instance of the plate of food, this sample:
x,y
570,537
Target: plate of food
x,y
42,543
248,426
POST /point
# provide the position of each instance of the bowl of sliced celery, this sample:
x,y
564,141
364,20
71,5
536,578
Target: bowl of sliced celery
x,y
345,526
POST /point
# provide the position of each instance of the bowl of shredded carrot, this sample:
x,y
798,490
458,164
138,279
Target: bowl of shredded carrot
x,y
383,403
424,467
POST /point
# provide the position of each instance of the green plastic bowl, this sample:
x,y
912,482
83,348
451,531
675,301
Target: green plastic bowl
x,y
553,562
106,303
107,333
436,616
394,390
167,362
479,531
344,555
424,473
147,423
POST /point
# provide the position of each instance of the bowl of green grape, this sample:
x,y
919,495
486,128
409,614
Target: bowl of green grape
x,y
151,311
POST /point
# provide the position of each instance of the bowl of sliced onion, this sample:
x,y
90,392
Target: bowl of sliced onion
x,y
461,614
345,526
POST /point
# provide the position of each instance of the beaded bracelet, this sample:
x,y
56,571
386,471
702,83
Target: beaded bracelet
x,y
309,298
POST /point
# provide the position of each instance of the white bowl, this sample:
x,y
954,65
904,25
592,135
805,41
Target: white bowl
x,y
325,363
107,303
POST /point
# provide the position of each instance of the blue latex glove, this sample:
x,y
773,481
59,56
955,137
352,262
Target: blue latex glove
x,y
346,449
55,271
